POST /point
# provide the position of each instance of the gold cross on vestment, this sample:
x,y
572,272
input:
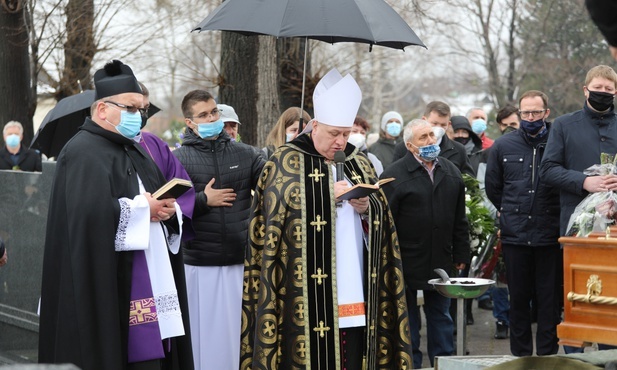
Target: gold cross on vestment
x,y
298,233
319,276
321,329
319,223
301,350
295,162
355,176
316,175
140,311
298,272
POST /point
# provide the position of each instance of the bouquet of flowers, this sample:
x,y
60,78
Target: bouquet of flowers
x,y
481,224
597,210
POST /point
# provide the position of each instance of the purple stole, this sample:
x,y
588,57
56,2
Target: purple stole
x,y
144,334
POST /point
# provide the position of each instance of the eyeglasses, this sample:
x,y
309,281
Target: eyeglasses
x,y
129,108
531,113
204,115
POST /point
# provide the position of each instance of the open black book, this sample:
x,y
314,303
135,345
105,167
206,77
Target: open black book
x,y
363,190
173,189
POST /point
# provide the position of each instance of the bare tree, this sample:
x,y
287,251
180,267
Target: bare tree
x,y
17,100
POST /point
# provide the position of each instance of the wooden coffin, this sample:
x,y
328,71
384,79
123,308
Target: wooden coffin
x,y
590,290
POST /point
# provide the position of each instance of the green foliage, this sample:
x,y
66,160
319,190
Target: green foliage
x,y
175,133
481,224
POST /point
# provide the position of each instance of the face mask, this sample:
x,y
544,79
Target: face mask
x,y
130,124
600,101
393,129
144,120
12,141
428,152
462,140
532,127
357,140
508,130
208,130
478,126
289,137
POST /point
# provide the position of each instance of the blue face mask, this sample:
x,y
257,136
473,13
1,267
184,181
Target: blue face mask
x,y
478,126
209,130
12,141
393,129
532,127
429,152
130,124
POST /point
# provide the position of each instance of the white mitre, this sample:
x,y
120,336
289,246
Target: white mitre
x,y
336,100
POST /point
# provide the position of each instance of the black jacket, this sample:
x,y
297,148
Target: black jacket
x,y
29,160
576,141
529,208
220,232
450,149
430,217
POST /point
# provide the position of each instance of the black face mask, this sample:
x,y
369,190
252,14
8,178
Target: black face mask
x,y
508,130
144,120
462,140
600,101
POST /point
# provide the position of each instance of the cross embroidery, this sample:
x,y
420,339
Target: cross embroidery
x,y
298,233
319,276
268,329
259,232
295,162
355,176
140,312
300,311
296,195
301,351
272,239
316,175
321,329
298,272
319,223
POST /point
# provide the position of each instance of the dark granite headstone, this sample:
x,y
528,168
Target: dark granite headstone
x,y
24,201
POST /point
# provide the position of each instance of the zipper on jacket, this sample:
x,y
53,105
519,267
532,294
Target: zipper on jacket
x,y
221,209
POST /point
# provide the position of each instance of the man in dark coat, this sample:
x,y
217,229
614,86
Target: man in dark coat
x,y
113,295
438,114
427,200
528,218
15,156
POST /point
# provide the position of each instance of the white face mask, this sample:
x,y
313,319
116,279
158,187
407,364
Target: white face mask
x,y
357,140
289,137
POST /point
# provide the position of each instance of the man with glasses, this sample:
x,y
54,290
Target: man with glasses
x,y
577,140
224,172
528,218
113,293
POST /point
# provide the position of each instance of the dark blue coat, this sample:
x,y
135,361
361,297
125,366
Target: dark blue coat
x,y
529,208
576,141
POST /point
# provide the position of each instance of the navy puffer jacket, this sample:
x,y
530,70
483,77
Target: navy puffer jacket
x,y
220,232
528,206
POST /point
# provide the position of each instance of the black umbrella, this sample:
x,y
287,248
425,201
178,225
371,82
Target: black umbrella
x,y
371,22
64,120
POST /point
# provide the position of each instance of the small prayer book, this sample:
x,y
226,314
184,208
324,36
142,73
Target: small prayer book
x,y
173,189
363,190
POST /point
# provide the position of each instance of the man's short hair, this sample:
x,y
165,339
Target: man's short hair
x,y
408,132
603,72
506,112
10,124
362,123
193,98
440,107
470,111
533,94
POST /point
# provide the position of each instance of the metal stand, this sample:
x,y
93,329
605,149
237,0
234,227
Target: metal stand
x,y
461,335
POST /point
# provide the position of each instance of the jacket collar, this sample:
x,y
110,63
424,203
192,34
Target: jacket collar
x,y
597,115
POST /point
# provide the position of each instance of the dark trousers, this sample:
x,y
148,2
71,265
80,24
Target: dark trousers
x,y
352,347
534,272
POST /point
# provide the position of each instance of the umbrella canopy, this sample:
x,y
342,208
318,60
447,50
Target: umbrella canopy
x,y
366,21
64,120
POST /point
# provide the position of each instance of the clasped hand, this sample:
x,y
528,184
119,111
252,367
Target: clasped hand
x,y
360,205
160,210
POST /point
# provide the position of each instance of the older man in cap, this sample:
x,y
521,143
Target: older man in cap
x,y
230,119
113,293
316,295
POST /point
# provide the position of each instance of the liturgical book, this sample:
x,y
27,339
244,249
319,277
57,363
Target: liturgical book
x,y
173,189
363,190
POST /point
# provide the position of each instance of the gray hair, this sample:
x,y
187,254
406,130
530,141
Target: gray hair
x,y
13,124
471,111
408,133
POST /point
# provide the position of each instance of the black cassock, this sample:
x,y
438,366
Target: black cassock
x,y
86,285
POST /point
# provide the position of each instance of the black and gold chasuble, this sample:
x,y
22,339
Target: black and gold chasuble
x,y
290,310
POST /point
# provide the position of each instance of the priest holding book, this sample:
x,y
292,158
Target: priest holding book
x,y
323,284
113,294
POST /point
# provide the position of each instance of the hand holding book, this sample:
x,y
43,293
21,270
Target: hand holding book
x,y
362,190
